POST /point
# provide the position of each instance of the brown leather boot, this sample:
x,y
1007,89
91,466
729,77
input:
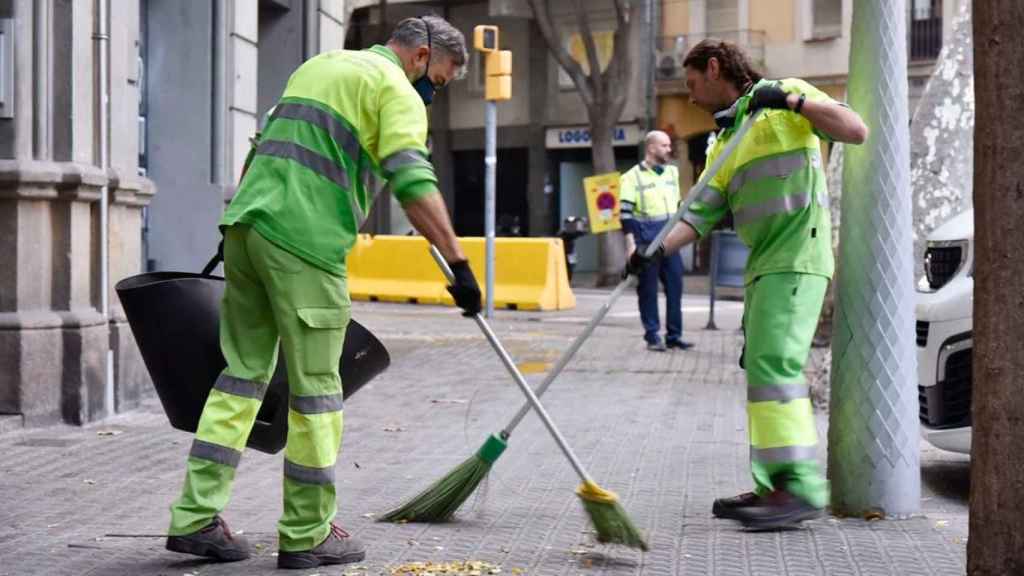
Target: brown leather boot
x,y
214,541
340,547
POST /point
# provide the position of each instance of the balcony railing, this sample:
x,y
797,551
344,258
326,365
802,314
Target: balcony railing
x,y
924,39
671,50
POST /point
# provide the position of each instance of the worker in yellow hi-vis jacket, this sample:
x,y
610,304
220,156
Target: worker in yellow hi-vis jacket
x,y
348,123
774,185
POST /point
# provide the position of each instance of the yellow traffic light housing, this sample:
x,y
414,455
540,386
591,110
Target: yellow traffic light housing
x,y
498,63
499,76
485,38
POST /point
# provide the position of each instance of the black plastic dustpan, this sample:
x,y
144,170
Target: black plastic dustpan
x,y
174,317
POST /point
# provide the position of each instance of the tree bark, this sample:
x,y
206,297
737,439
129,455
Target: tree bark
x,y
604,94
996,544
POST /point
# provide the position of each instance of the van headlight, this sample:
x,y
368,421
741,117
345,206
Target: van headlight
x,y
943,260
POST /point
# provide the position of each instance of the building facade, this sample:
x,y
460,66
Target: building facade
x,y
123,127
808,39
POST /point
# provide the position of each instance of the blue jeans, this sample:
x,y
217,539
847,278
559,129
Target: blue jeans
x,y
670,272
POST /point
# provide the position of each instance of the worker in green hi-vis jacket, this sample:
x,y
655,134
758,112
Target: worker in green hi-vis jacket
x,y
349,122
774,185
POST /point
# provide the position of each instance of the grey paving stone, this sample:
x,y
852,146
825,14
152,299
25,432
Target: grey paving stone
x,y
667,432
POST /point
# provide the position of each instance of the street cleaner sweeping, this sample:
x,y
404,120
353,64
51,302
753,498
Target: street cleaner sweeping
x,y
440,501
347,122
774,185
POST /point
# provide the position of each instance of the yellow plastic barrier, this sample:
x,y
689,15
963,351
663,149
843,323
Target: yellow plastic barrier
x,y
529,273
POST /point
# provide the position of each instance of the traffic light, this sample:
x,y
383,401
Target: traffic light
x,y
498,63
485,38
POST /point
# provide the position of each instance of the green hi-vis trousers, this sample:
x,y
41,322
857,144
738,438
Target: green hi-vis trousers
x,y
780,317
272,296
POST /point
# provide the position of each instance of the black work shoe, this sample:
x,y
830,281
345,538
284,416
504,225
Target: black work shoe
x,y
658,346
214,541
726,507
339,548
778,510
679,344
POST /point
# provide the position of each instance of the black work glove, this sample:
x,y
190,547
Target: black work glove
x,y
638,262
768,97
464,288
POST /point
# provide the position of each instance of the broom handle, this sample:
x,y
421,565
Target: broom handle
x,y
651,248
697,188
514,371
567,356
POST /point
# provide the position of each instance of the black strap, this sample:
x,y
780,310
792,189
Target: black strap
x,y
217,259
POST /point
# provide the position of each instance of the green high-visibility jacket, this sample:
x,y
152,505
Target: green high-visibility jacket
x,y
348,122
774,184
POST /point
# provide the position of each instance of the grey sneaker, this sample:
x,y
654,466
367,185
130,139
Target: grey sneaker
x,y
214,541
339,548
658,346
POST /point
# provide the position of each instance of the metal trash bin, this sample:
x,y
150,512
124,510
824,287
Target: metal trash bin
x,y
728,263
175,318
573,227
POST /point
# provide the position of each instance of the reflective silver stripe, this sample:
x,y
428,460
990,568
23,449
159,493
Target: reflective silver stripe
x,y
823,199
291,151
308,475
779,393
317,404
342,136
780,205
215,453
404,158
777,166
658,218
240,387
784,454
357,212
693,220
711,197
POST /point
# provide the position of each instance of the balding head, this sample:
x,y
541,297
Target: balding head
x,y
657,148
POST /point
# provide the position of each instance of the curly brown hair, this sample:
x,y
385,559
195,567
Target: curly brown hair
x,y
732,61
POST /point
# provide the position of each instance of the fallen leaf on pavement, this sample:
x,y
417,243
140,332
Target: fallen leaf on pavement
x,y
109,432
394,429
447,401
457,568
89,481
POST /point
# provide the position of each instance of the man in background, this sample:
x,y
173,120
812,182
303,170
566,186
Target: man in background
x,y
649,196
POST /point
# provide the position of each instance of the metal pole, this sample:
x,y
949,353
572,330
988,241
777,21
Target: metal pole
x,y
102,40
873,432
490,165
712,278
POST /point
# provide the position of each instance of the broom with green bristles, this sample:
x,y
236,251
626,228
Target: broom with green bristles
x,y
440,501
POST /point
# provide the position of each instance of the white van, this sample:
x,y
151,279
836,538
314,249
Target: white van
x,y
944,342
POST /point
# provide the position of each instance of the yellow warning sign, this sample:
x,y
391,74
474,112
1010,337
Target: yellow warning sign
x,y
603,202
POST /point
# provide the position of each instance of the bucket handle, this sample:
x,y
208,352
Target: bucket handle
x,y
217,259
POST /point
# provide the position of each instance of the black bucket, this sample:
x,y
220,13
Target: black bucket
x,y
175,319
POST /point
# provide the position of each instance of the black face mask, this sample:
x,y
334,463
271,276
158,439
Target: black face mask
x,y
424,87
726,119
